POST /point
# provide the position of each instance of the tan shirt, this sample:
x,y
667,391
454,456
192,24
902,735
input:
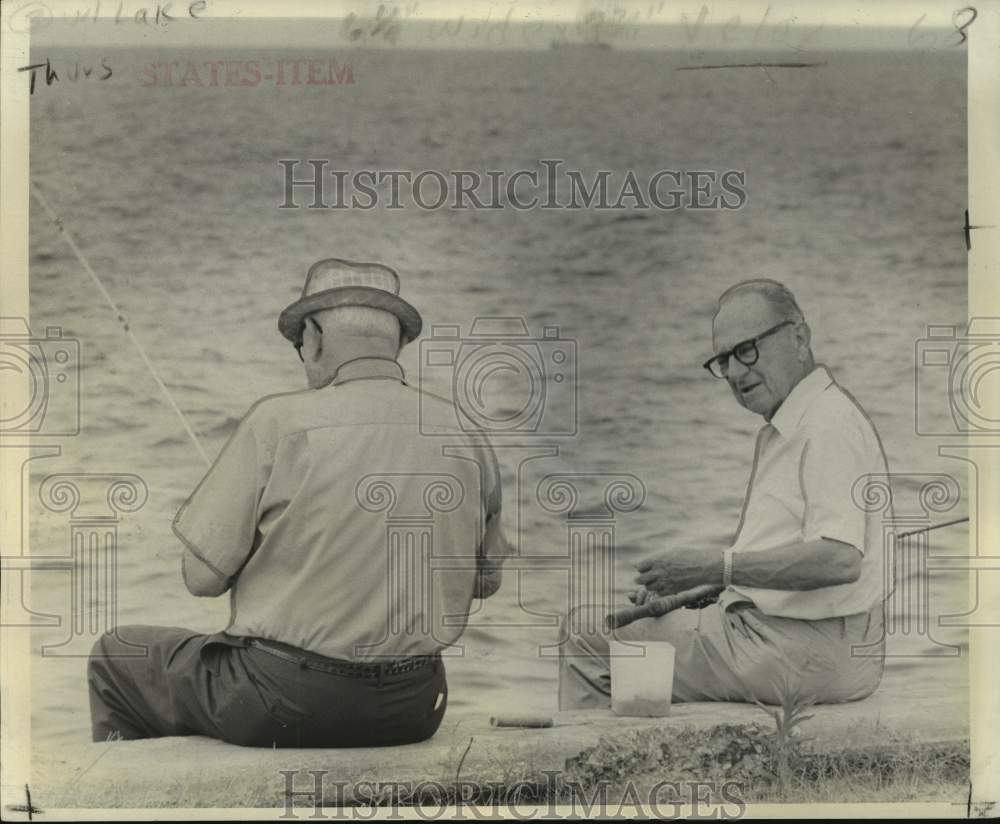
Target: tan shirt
x,y
818,445
351,518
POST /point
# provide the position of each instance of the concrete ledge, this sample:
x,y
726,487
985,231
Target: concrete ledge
x,y
200,771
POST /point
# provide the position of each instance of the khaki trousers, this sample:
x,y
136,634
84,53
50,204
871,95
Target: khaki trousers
x,y
731,651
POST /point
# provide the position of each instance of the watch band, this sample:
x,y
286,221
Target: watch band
x,y
727,568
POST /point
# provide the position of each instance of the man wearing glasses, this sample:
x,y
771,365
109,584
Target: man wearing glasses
x,y
801,607
322,517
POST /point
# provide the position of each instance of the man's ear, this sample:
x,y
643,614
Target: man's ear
x,y
803,334
312,340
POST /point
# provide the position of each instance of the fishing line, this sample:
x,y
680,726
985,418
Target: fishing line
x,y
118,314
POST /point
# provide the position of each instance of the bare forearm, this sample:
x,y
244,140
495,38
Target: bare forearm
x,y
798,566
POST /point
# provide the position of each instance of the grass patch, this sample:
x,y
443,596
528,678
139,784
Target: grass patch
x,y
777,763
894,772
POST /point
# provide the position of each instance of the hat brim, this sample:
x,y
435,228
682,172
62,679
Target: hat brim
x,y
293,318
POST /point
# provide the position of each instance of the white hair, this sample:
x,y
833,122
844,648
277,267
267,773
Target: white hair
x,y
361,322
778,296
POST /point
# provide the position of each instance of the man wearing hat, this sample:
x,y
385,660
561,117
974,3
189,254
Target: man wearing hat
x,y
352,524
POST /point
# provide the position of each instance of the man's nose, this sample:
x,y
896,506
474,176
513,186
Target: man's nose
x,y
736,369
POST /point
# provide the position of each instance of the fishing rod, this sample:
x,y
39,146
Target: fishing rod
x,y
656,607
930,528
122,320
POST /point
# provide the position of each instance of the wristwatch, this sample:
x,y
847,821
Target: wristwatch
x,y
727,568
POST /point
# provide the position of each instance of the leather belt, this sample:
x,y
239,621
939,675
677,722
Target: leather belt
x,y
337,666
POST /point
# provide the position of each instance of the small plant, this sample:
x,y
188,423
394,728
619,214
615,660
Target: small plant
x,y
784,745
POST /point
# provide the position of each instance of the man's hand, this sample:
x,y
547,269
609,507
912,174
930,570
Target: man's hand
x,y
639,596
679,569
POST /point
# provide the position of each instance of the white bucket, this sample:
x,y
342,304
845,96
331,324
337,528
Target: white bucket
x,y
641,684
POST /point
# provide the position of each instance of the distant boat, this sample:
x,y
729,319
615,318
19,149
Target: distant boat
x,y
581,45
593,31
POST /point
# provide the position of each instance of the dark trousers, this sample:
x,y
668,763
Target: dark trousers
x,y
220,686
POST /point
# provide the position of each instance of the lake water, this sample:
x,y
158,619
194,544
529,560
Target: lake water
x,y
855,183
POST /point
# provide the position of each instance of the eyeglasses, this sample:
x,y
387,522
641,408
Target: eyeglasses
x,y
298,346
745,352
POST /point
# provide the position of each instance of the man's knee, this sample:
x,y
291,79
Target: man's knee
x,y
102,649
580,631
112,645
582,621
102,674
107,644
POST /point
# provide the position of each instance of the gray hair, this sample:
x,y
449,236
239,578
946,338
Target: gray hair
x,y
360,321
778,295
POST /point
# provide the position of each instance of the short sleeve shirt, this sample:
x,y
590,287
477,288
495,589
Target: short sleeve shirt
x,y
811,462
350,518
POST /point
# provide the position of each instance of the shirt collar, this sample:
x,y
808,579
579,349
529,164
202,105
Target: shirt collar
x,y
792,409
367,368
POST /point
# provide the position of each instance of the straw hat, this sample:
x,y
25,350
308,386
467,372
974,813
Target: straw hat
x,y
333,282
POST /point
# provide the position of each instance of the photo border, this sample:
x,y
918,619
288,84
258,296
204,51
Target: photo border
x,y
984,300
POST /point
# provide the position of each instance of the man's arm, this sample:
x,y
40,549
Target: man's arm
x,y
800,565
218,523
833,529
201,579
494,550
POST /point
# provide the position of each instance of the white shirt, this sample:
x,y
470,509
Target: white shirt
x,y
351,518
810,467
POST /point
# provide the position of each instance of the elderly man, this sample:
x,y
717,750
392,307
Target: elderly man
x,y
337,622
803,591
